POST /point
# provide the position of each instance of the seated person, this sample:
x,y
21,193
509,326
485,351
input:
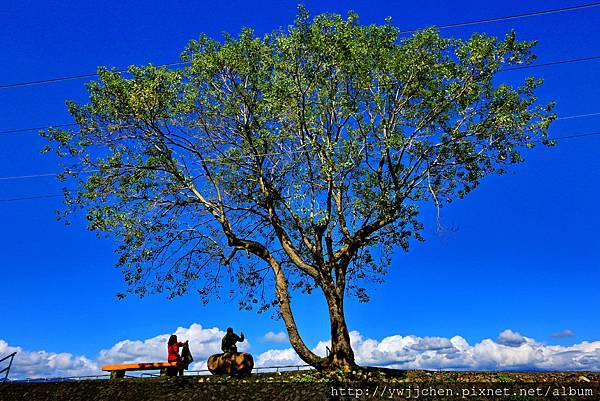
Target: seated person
x,y
229,340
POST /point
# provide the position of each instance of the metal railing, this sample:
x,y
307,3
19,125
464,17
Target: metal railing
x,y
284,368
7,369
203,372
258,369
60,379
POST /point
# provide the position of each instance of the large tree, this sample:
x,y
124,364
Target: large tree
x,y
310,150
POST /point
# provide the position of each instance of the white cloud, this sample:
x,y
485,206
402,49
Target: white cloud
x,y
510,351
278,357
47,364
512,339
563,334
275,337
203,343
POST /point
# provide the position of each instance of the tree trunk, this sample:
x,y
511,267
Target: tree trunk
x,y
281,289
341,354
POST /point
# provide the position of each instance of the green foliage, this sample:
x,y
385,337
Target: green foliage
x,y
505,379
310,377
316,144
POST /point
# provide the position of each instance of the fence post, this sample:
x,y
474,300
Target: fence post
x,y
7,369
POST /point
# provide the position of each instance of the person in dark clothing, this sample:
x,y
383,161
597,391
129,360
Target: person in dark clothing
x,y
173,351
229,340
186,356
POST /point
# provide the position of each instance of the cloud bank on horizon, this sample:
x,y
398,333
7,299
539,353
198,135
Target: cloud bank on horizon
x,y
509,351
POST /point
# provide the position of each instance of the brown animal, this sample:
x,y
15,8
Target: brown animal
x,y
230,363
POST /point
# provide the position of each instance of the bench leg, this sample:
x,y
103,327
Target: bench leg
x,y
170,372
117,374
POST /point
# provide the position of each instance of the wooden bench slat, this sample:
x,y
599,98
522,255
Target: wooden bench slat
x,y
139,366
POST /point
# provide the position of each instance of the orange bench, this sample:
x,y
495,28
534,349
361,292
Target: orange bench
x,y
118,371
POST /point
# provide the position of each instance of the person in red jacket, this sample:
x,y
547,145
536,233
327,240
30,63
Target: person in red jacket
x,y
173,350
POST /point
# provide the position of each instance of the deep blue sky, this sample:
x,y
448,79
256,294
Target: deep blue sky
x,y
521,251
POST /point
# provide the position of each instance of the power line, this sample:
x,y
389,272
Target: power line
x,y
23,177
453,25
575,136
579,116
19,130
574,60
73,77
59,196
30,198
514,16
